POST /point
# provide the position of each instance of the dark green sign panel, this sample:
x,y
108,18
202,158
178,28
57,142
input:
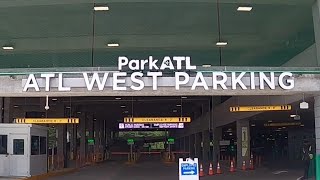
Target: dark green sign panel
x,y
170,140
130,141
91,142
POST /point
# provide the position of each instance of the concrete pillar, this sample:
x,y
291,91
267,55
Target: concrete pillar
x,y
62,144
217,136
316,23
83,142
206,145
192,145
7,117
243,142
317,132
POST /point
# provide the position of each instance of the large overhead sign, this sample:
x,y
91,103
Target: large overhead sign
x,y
260,108
157,119
151,126
184,75
47,120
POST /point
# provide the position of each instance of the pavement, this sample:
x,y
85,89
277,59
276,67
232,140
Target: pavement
x,y
160,171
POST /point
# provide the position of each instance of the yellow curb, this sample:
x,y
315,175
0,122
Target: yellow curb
x,y
52,174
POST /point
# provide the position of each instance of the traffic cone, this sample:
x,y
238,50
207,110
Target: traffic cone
x,y
244,166
219,169
232,169
251,165
211,172
201,173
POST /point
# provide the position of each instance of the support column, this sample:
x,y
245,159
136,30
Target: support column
x,y
83,142
243,142
217,136
192,145
197,144
62,145
317,132
7,110
206,145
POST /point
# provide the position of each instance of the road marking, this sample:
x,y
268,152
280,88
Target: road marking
x,y
300,178
279,172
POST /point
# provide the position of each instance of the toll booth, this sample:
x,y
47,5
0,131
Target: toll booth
x,y
23,150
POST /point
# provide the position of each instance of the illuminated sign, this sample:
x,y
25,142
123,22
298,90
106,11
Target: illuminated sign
x,y
282,124
151,126
153,77
130,141
47,120
157,119
260,108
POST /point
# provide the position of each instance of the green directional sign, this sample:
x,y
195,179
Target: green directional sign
x,y
170,140
130,141
91,142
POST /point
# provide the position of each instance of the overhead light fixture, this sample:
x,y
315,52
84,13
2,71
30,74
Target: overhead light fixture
x,y
244,8
184,97
101,8
54,99
206,65
118,98
15,106
8,48
253,125
126,112
221,43
178,105
270,121
113,45
123,106
174,111
302,125
78,112
68,107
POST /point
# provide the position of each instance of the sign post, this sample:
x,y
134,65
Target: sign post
x,y
188,169
130,142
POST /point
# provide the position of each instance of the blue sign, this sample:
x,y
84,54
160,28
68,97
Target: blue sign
x,y
189,169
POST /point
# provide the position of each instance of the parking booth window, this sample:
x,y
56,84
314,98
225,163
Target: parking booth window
x,y
3,144
35,145
18,147
43,145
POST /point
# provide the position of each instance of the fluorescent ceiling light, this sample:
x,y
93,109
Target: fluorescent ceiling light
x,y
7,47
101,8
206,65
174,110
123,106
118,98
113,45
221,43
15,106
178,105
244,8
54,99
68,107
78,112
293,115
184,97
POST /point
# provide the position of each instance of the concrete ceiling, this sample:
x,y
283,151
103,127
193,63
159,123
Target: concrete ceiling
x,y
59,33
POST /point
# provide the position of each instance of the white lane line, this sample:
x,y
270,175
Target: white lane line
x,y
279,172
300,178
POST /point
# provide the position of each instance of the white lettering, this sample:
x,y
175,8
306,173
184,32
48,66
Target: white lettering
x,y
237,80
137,81
122,61
177,77
117,81
135,63
31,83
179,60
221,82
143,64
188,63
252,80
167,63
202,82
95,79
154,76
60,87
289,81
153,63
264,79
47,77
